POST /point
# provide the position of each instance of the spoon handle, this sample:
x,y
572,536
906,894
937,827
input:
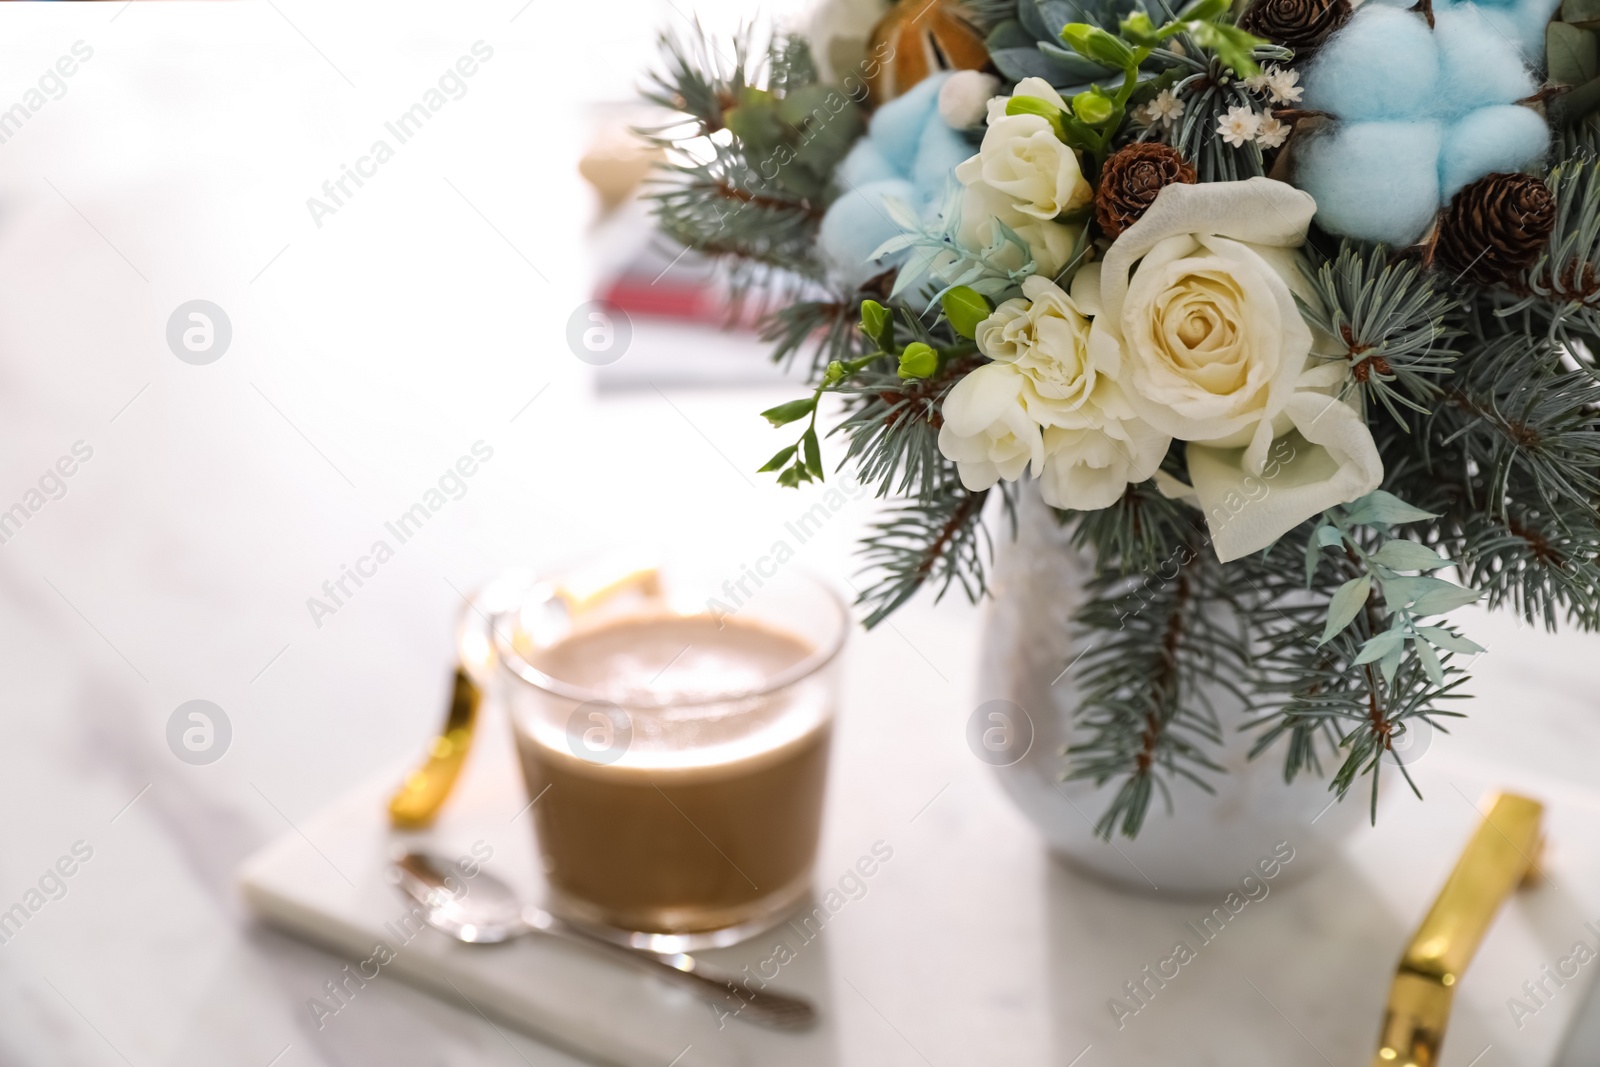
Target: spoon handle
x,y
765,1006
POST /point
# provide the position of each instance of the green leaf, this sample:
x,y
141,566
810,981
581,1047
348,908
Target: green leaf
x,y
919,360
1032,105
1585,13
1347,601
1138,28
1439,601
784,414
1405,592
1449,640
1328,536
1426,596
778,459
1379,645
1569,107
1313,556
1409,556
1391,663
1430,662
1232,45
1203,11
1079,135
1383,507
966,308
1094,43
813,453
1571,54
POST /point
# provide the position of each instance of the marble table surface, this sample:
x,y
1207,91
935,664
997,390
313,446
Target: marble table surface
x,y
211,506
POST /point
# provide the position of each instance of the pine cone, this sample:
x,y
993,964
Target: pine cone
x,y
1299,24
1495,228
1130,180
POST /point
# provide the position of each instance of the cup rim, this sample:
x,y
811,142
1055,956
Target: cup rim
x,y
514,661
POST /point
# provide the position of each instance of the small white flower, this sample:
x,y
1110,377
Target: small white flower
x,y
1284,85
1272,133
1165,108
1238,127
1257,83
1143,115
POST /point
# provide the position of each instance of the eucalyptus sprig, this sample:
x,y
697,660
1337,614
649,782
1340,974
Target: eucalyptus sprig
x,y
802,461
1406,599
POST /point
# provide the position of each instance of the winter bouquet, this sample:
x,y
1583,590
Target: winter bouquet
x,y
1284,309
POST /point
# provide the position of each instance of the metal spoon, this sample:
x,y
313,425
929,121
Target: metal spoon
x,y
492,913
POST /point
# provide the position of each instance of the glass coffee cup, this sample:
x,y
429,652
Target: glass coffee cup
x,y
673,730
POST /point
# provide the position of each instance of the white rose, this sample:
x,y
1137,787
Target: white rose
x,y
1090,443
1022,158
1196,298
1050,244
1328,458
986,430
1022,177
1090,469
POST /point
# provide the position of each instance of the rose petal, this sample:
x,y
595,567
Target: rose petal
x,y
1329,459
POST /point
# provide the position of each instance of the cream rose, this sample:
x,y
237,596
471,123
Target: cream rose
x,y
1022,157
1049,244
987,431
1196,300
1023,177
1090,443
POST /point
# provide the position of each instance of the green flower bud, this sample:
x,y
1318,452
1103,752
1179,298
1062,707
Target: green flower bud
x,y
965,307
918,361
1098,45
1092,106
874,317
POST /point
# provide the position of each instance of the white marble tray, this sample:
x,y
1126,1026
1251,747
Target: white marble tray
x,y
971,946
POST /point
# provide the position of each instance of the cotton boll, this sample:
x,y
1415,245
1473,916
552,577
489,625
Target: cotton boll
x,y
1491,139
1523,21
896,127
856,224
1377,181
964,98
863,166
1478,65
1376,68
941,149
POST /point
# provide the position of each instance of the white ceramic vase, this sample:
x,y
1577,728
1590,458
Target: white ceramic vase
x,y
1209,841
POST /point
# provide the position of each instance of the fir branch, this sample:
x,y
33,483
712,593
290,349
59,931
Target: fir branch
x,y
1161,646
893,426
1524,419
1541,565
1568,272
828,326
750,164
1391,320
1376,670
1524,554
937,539
1136,533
